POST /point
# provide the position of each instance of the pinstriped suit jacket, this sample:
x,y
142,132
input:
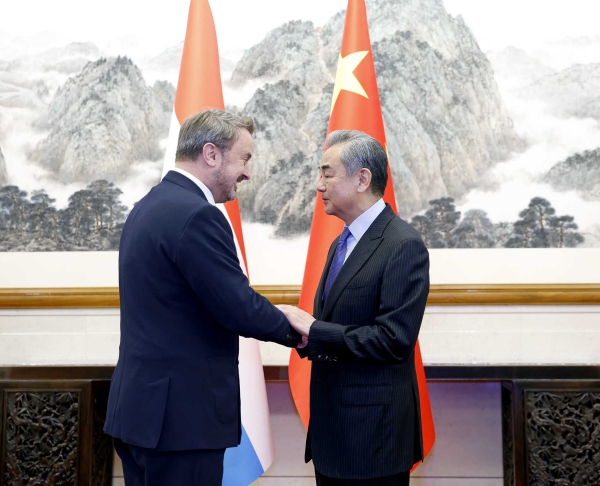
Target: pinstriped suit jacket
x,y
364,399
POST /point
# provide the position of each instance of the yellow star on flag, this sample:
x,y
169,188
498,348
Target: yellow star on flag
x,y
345,78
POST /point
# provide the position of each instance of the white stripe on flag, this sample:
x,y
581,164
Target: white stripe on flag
x,y
255,418
171,144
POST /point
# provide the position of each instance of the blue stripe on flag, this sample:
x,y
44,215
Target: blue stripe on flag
x,y
241,465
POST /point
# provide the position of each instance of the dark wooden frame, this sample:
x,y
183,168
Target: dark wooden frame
x,y
94,449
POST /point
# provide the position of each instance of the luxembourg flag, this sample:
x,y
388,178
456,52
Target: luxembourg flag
x,y
198,88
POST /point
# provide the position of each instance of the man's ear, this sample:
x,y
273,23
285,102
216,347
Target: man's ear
x,y
210,152
364,179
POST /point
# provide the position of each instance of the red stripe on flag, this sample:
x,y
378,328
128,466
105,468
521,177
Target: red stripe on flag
x,y
199,86
233,210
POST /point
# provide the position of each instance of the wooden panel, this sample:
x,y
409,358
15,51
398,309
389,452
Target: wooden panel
x,y
480,294
41,435
555,431
51,421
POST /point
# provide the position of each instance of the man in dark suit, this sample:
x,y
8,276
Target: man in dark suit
x,y
174,403
364,402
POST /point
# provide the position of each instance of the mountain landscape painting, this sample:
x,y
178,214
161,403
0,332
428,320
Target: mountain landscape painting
x,y
493,137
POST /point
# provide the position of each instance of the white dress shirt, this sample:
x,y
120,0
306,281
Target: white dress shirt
x,y
360,225
199,183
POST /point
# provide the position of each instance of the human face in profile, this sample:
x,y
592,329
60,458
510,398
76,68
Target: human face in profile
x,y
234,168
338,190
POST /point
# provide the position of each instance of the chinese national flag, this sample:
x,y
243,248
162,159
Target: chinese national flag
x,y
355,106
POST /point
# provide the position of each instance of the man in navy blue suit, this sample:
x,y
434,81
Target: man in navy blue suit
x,y
174,403
365,427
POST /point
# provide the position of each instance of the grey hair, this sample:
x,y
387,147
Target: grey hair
x,y
218,127
361,151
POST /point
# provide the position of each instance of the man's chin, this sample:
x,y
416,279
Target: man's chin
x,y
232,195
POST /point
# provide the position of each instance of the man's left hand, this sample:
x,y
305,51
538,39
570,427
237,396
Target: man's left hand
x,y
299,320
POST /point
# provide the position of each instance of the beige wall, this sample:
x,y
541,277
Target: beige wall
x,y
449,335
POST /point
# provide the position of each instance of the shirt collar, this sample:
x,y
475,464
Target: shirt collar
x,y
199,183
361,224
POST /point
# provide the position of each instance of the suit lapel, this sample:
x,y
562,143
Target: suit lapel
x,y
359,256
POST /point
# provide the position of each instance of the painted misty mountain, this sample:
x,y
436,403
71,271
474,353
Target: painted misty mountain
x,y
446,125
100,121
95,120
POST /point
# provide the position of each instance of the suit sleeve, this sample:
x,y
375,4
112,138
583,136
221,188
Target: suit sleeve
x,y
305,351
207,258
393,334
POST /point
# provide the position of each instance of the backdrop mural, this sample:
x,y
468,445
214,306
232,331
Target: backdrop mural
x,y
491,111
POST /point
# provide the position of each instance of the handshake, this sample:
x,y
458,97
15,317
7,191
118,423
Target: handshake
x,y
299,320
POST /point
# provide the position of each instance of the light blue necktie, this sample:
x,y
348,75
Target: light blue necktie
x,y
338,261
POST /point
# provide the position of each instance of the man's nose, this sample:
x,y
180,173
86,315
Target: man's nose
x,y
246,174
320,185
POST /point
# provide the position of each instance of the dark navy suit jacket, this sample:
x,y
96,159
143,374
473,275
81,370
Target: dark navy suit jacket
x,y
364,398
184,303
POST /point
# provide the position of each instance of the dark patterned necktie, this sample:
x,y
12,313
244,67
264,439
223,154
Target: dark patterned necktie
x,y
338,261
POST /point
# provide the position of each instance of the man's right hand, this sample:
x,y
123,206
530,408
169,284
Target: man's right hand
x,y
303,343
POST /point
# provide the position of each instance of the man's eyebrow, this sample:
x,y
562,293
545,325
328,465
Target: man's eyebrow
x,y
325,167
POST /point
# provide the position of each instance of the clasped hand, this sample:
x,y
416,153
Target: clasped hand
x,y
299,320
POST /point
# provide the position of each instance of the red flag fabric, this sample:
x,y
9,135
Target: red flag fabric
x,y
199,85
355,106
